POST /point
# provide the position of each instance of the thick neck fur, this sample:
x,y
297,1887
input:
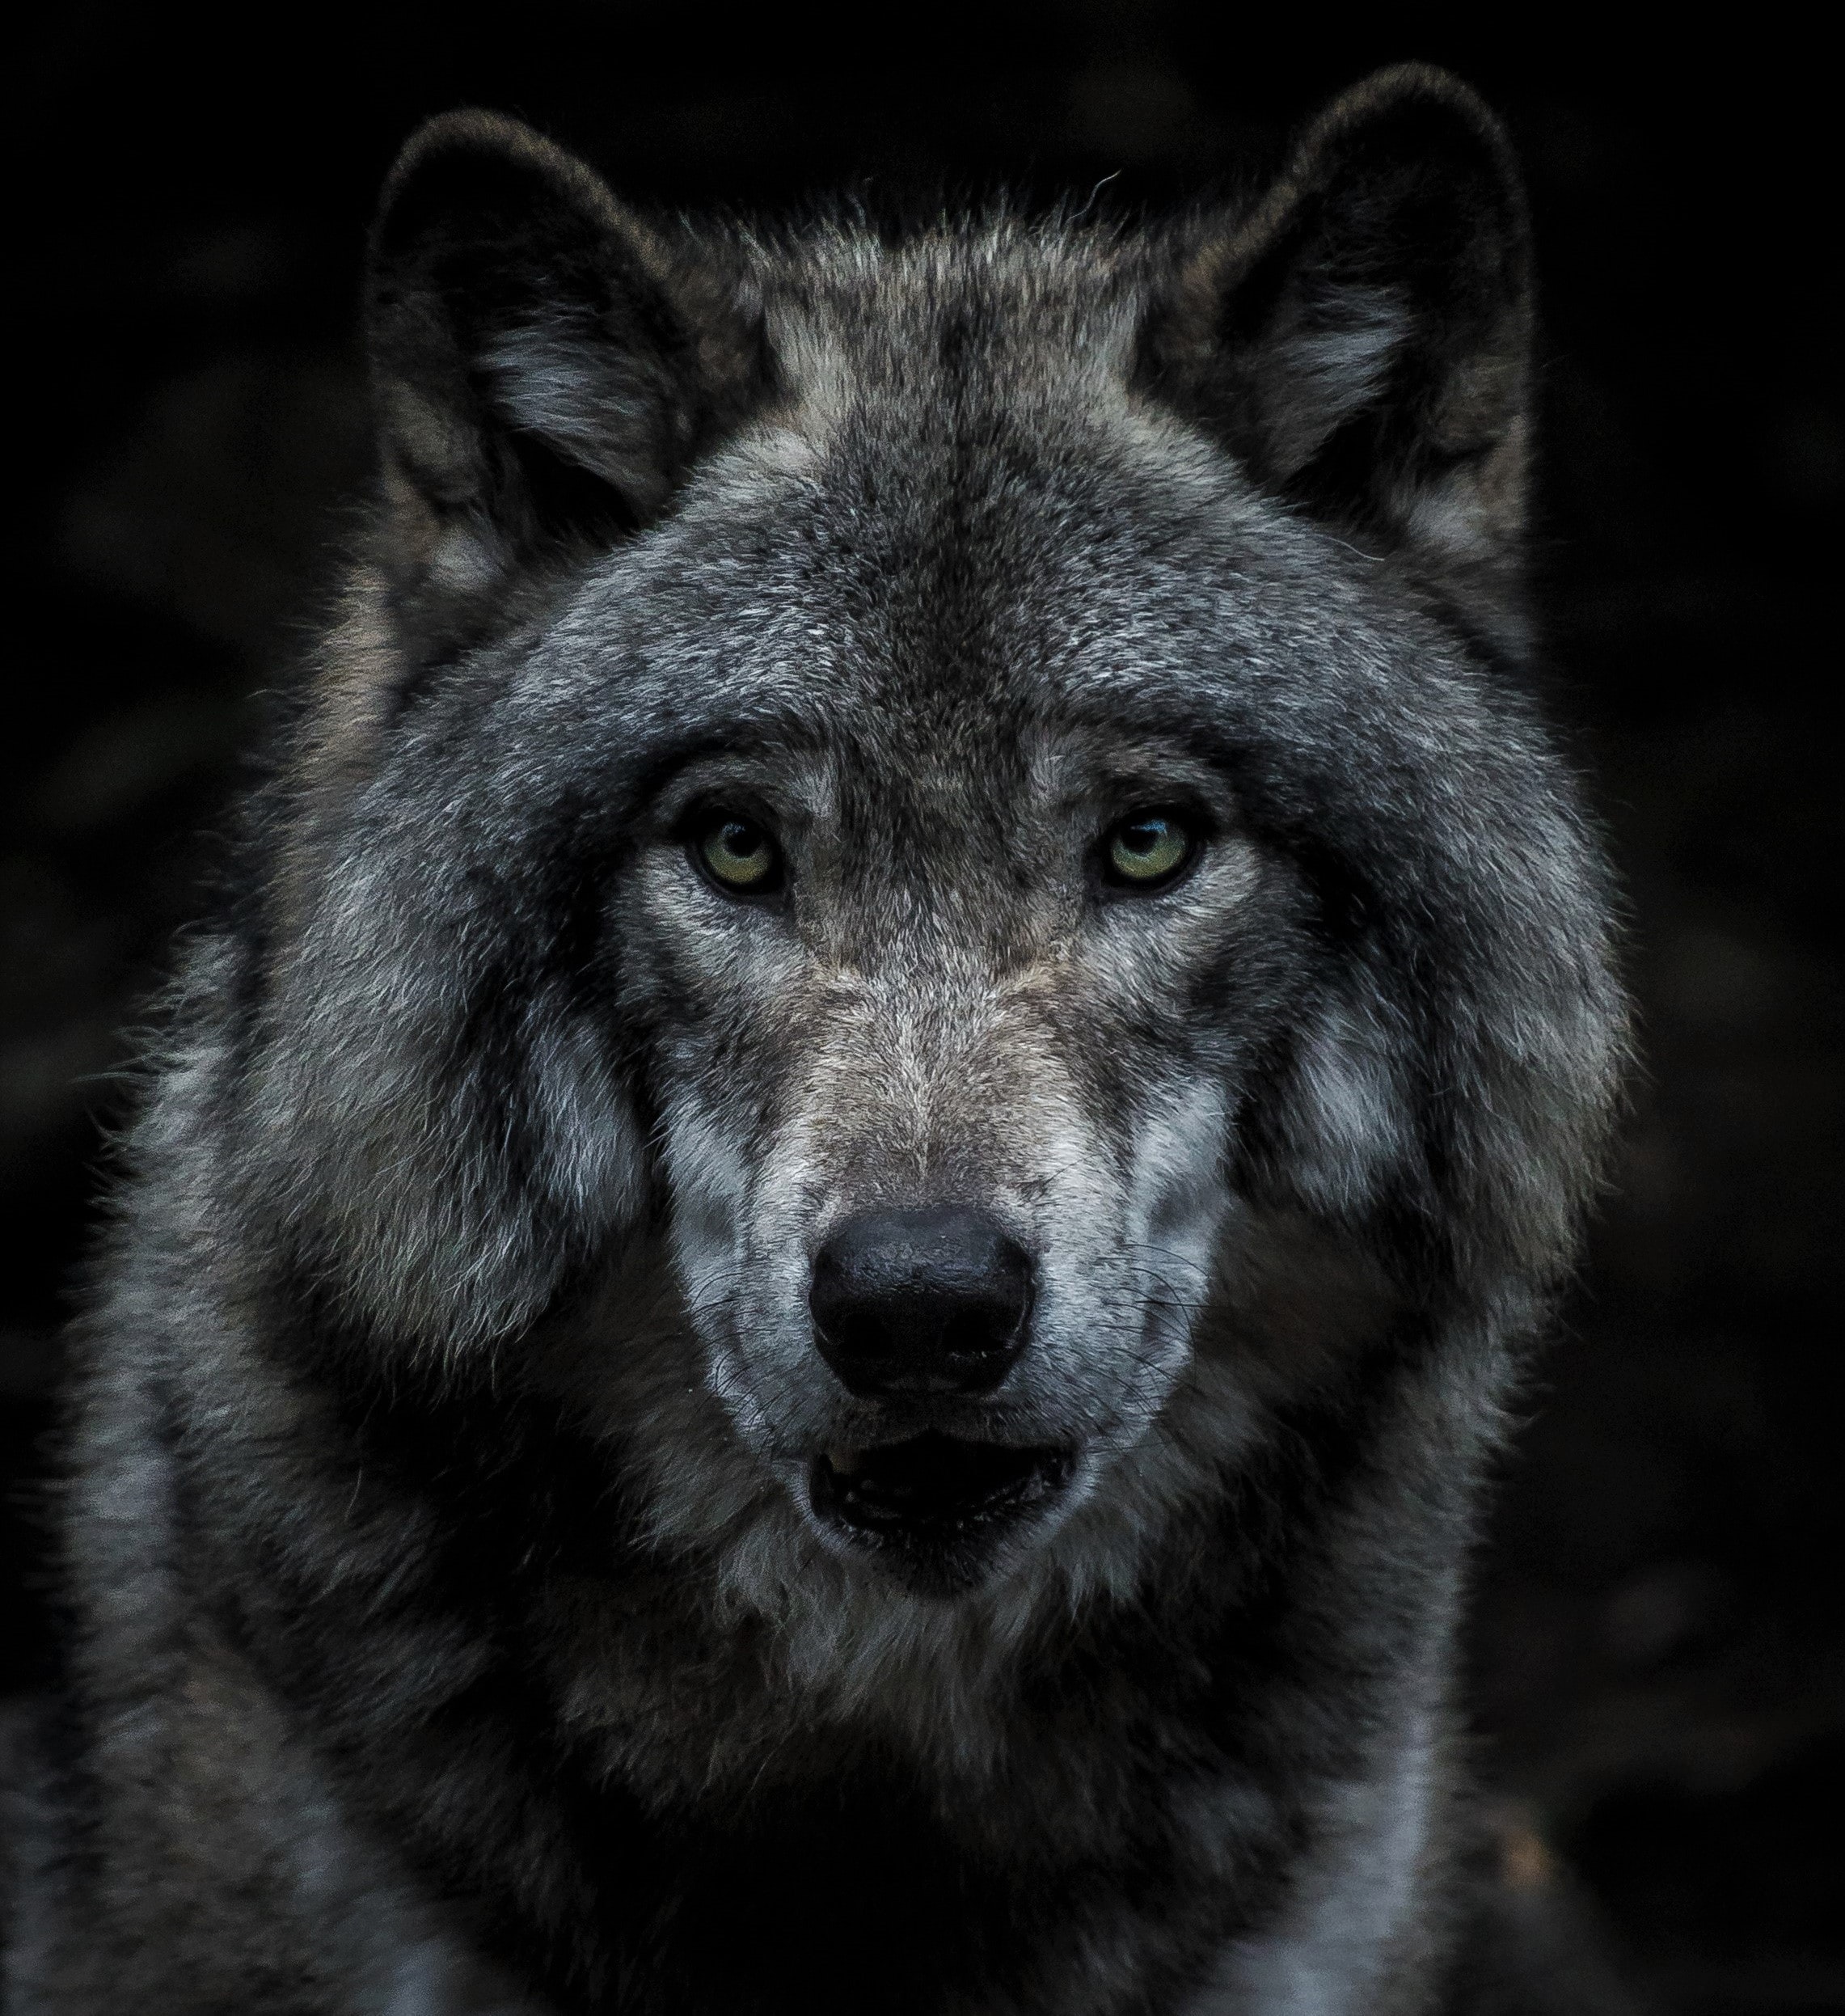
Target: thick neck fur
x,y
489,1650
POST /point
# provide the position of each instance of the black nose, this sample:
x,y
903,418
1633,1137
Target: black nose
x,y
921,1302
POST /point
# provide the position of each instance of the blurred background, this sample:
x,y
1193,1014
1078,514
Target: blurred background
x,y
1659,1640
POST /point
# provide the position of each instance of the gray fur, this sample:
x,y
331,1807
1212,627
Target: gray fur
x,y
455,1625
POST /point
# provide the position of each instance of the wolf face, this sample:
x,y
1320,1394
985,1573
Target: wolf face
x,y
945,1149
982,826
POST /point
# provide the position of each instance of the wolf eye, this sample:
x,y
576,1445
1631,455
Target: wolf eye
x,y
1146,850
738,855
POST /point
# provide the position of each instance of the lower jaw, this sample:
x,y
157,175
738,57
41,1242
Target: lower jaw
x,y
938,1541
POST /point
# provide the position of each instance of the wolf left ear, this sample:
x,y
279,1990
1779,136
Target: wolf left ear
x,y
543,364
1361,340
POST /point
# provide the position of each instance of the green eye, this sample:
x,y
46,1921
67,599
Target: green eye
x,y
1145,850
739,856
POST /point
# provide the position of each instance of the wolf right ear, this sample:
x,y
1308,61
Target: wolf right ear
x,y
1361,340
543,365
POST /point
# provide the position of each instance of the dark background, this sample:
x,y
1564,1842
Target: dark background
x,y
1660,1641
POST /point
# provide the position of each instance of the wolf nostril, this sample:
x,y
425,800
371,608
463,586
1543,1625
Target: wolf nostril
x,y
921,1301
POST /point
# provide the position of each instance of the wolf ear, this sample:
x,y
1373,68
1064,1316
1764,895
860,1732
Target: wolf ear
x,y
542,367
1361,340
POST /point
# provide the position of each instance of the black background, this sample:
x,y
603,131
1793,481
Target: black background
x,y
1659,1645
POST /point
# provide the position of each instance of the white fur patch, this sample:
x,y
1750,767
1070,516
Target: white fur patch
x,y
1332,368
1351,1902
1346,1117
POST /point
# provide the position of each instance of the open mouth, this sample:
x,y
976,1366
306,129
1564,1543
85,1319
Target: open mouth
x,y
934,1496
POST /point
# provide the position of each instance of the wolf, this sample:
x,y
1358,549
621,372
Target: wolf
x,y
822,1259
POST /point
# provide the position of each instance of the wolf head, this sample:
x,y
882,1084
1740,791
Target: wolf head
x,y
922,848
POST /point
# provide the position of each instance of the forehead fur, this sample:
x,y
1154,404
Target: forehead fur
x,y
1026,317
958,510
